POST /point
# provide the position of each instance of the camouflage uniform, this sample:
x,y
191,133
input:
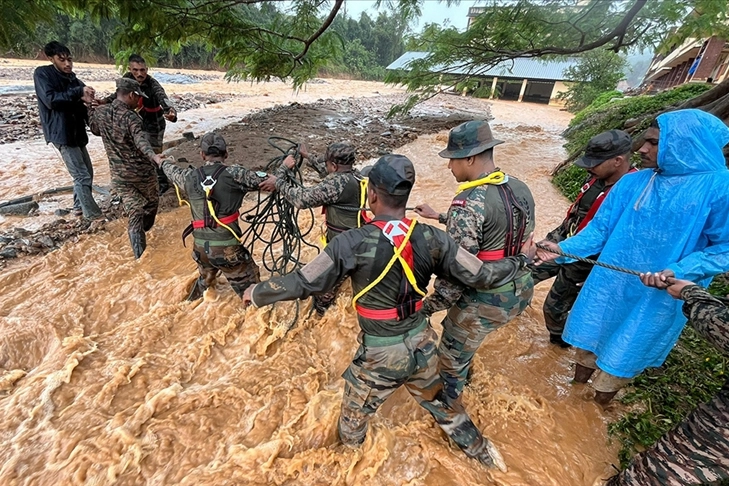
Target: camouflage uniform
x,y
392,352
338,188
216,249
697,451
477,220
152,110
133,172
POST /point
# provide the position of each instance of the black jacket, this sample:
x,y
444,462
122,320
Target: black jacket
x,y
62,113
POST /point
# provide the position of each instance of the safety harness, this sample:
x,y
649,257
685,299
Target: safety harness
x,y
595,205
409,300
362,217
517,216
210,219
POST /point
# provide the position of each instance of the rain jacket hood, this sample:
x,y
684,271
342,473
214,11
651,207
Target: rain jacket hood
x,y
674,218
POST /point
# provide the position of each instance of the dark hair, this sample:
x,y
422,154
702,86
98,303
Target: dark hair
x,y
654,124
137,58
55,48
388,199
341,153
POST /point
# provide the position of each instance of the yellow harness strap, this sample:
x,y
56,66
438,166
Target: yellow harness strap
x,y
215,217
496,177
179,198
395,257
362,200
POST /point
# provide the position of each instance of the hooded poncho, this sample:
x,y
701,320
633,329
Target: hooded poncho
x,y
676,218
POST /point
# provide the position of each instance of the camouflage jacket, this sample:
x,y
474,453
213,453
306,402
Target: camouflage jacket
x,y
131,157
477,221
708,315
328,191
363,253
152,108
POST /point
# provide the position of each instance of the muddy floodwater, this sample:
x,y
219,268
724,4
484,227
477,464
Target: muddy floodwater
x,y
108,377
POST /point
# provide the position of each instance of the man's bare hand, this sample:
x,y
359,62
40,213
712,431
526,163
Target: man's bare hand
x,y
289,161
88,95
158,159
426,211
677,286
529,248
544,256
659,280
268,185
303,150
171,115
247,296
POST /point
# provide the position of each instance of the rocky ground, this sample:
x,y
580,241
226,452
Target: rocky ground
x,y
361,121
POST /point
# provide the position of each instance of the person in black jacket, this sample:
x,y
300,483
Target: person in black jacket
x,y
62,100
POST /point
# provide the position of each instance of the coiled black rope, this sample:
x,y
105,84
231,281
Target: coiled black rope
x,y
593,262
282,248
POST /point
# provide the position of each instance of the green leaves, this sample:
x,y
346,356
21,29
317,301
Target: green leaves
x,y
596,72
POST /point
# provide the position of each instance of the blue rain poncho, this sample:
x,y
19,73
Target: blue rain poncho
x,y
677,218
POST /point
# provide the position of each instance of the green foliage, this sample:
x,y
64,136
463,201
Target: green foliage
x,y
600,101
614,114
570,180
596,73
661,397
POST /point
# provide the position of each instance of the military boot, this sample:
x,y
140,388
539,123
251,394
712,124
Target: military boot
x,y
138,241
196,292
148,221
488,455
557,339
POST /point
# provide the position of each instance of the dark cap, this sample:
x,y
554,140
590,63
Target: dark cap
x,y
213,143
604,146
130,85
470,138
394,174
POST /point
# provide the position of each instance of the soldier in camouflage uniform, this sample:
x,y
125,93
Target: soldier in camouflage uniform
x,y
697,450
491,216
397,344
606,159
217,247
155,109
340,193
132,161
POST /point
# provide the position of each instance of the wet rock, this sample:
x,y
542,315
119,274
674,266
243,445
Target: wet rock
x,y
8,253
386,134
20,209
46,241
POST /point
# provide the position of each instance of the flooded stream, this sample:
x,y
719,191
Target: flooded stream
x,y
108,377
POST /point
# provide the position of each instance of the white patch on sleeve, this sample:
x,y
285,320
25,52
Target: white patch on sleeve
x,y
317,267
468,261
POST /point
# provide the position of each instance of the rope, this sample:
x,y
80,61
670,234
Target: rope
x,y
593,262
274,212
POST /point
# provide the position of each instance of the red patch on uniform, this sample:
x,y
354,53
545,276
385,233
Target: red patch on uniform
x,y
459,202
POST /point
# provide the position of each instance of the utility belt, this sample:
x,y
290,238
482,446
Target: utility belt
x,y
387,314
370,340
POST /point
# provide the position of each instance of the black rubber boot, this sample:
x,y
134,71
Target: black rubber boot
x,y
138,241
163,181
196,292
557,339
603,398
148,221
582,373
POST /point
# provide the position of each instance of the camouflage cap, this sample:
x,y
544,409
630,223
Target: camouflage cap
x,y
605,146
213,143
470,138
394,174
132,85
341,153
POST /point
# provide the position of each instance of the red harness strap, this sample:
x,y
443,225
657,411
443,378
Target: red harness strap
x,y
595,205
152,110
200,223
491,255
383,314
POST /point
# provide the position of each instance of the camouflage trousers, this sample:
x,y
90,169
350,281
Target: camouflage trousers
x,y
564,291
695,452
380,368
470,320
234,261
140,200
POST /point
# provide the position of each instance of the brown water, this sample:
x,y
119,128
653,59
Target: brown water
x,y
107,377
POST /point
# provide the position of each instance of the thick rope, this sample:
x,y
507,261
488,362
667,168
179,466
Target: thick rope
x,y
593,262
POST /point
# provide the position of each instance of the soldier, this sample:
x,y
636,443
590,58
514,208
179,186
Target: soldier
x,y
63,114
215,192
491,217
340,194
132,162
606,159
155,108
390,260
697,450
